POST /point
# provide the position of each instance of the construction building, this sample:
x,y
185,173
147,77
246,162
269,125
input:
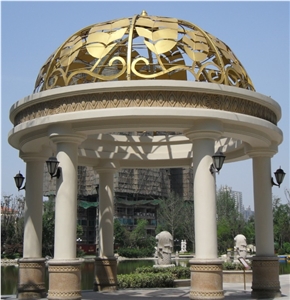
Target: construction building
x,y
137,194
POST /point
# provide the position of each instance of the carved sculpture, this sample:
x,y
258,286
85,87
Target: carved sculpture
x,y
241,245
164,248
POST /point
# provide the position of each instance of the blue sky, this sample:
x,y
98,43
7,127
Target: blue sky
x,y
257,32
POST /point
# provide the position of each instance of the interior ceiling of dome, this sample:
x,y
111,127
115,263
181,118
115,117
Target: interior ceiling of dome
x,y
142,47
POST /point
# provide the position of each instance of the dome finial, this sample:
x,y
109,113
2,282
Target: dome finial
x,y
144,13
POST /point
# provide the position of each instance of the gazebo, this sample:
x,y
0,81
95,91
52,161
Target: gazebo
x,y
93,96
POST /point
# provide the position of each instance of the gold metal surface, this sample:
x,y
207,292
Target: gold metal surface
x,y
142,47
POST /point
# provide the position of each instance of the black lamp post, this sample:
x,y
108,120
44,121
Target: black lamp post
x,y
279,175
19,178
218,160
52,166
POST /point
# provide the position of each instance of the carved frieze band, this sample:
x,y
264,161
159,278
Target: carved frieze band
x,y
64,294
266,263
63,269
211,295
266,284
202,268
145,99
31,286
32,265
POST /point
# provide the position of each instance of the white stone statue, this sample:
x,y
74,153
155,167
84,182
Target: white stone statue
x,y
164,248
183,246
241,245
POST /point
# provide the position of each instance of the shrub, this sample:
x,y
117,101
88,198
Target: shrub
x,y
135,252
286,248
232,266
178,272
145,280
80,252
150,277
12,251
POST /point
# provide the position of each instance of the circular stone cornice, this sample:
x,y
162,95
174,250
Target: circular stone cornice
x,y
142,47
261,152
160,94
211,129
75,138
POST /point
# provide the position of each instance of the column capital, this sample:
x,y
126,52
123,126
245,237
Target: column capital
x,y
258,152
209,129
40,156
107,166
75,138
62,133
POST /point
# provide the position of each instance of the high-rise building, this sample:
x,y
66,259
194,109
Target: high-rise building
x,y
238,196
248,213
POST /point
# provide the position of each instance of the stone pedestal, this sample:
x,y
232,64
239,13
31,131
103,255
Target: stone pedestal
x,y
105,274
206,279
64,279
265,277
31,278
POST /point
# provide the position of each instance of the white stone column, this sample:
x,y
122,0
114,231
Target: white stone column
x,y
263,206
66,201
265,264
206,268
31,279
65,269
106,263
32,241
106,213
204,200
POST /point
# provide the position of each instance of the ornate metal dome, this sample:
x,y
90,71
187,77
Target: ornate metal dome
x,y
142,47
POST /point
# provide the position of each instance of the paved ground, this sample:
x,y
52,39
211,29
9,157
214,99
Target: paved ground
x,y
233,291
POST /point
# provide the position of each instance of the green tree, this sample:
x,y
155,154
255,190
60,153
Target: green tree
x,y
138,237
229,221
140,244
121,235
170,215
187,225
12,225
225,235
249,230
281,220
48,221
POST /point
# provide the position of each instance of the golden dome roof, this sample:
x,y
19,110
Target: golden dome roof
x,y
142,47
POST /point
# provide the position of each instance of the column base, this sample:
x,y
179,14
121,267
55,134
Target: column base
x,y
105,274
31,279
266,282
206,279
64,279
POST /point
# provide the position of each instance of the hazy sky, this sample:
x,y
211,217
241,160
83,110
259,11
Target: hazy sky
x,y
257,32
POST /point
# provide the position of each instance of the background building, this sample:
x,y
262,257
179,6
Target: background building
x,y
137,192
238,196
